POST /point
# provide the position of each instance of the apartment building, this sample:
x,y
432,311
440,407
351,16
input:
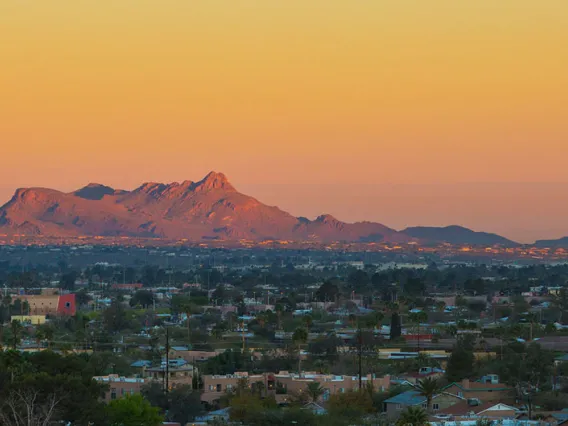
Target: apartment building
x,y
120,386
284,384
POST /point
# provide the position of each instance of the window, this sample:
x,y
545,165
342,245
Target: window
x,y
325,396
219,388
122,392
341,390
229,387
435,407
424,405
460,394
113,393
211,387
399,407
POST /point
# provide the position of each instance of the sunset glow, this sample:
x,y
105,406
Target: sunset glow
x,y
280,94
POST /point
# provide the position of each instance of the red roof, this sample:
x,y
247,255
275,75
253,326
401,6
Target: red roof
x,y
66,305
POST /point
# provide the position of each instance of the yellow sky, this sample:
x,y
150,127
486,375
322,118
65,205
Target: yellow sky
x,y
283,92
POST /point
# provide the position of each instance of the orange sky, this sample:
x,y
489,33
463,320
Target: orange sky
x,y
282,93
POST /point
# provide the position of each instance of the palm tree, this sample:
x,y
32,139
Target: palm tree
x,y
315,391
428,388
300,337
413,416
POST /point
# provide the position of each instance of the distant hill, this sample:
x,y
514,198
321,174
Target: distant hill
x,y
457,235
207,209
558,243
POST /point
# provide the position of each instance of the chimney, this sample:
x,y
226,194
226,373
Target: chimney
x,y
465,383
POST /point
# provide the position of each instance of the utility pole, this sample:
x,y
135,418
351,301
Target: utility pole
x,y
167,373
360,344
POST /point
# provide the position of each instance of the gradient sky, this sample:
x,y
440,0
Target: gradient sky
x,y
423,105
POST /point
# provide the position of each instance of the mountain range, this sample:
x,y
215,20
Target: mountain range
x,y
207,209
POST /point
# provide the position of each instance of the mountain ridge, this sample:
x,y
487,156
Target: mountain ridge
x,y
210,208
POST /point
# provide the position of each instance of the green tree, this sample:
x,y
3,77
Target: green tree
x,y
460,364
67,281
133,410
413,416
428,388
315,391
143,298
16,329
184,404
395,327
350,405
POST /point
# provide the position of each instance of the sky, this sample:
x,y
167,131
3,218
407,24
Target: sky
x,y
407,112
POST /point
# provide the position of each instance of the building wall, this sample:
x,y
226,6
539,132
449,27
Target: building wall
x,y
215,386
500,394
49,304
118,387
443,401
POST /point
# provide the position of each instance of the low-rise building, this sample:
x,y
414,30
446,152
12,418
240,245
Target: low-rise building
x,y
488,389
120,386
286,384
394,406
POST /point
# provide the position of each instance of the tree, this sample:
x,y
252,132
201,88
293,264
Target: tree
x,y
396,329
82,297
154,393
350,405
133,410
16,328
27,408
315,391
143,298
358,280
413,416
67,281
327,292
114,317
460,364
428,388
184,404
45,332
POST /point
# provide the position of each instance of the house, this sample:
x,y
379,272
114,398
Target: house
x,y
394,406
475,409
178,370
488,389
120,386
